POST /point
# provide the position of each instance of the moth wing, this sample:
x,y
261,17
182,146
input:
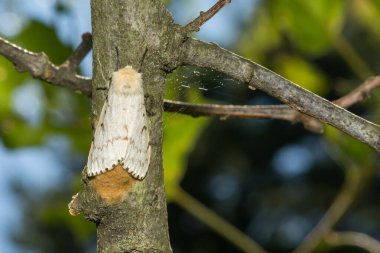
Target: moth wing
x,y
93,161
109,143
137,154
122,135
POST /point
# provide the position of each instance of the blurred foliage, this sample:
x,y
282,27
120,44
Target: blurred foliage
x,y
181,132
64,112
180,135
228,165
48,43
316,44
52,229
355,152
366,13
308,24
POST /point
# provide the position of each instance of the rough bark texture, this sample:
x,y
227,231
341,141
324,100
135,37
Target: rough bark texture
x,y
131,33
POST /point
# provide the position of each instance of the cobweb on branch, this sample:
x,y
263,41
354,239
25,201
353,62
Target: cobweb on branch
x,y
208,82
198,85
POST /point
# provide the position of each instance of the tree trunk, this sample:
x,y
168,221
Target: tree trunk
x,y
132,33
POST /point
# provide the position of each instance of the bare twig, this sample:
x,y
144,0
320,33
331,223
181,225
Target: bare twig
x,y
357,178
80,52
347,195
360,93
351,57
356,239
282,112
215,222
40,67
203,17
357,95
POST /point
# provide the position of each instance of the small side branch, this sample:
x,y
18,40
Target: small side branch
x,y
356,239
40,67
360,93
282,112
215,222
80,52
347,195
203,17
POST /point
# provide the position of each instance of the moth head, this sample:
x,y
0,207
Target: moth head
x,y
126,80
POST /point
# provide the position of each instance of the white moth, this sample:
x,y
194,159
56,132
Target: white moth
x,y
121,134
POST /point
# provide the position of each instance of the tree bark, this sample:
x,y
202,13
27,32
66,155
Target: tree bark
x,y
132,33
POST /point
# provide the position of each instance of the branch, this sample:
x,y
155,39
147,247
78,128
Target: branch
x,y
80,52
350,56
203,17
356,239
360,93
345,198
281,112
357,95
211,56
215,222
40,67
230,111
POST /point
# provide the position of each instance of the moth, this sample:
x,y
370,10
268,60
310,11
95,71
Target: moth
x,y
121,135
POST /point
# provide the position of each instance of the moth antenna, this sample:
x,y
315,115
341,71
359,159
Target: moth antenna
x,y
142,60
117,58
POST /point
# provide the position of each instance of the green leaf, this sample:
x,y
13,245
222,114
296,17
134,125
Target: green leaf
x,y
181,132
259,39
367,13
309,24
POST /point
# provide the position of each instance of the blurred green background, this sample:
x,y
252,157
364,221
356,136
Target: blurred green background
x,y
271,180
